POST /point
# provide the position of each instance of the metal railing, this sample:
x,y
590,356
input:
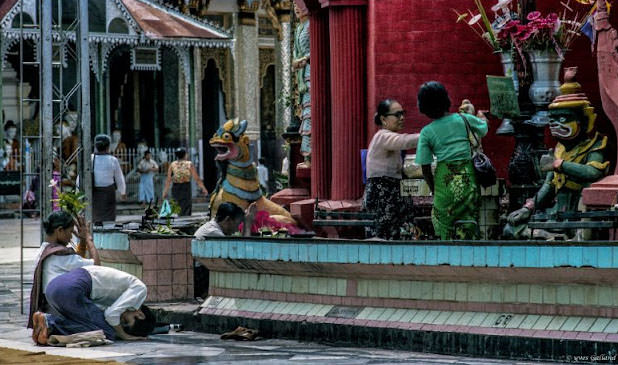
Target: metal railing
x,y
11,165
130,158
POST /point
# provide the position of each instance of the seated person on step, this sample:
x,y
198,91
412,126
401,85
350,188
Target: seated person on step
x,y
229,217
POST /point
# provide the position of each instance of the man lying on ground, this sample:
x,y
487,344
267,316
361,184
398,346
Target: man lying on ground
x,y
95,298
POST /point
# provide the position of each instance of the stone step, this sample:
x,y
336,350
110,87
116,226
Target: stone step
x,y
340,327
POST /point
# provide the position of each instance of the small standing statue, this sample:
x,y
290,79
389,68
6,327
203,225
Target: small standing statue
x,y
300,65
10,147
578,159
119,149
70,141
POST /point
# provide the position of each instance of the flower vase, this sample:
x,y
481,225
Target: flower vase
x,y
546,75
509,68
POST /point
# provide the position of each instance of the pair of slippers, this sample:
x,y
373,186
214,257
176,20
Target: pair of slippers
x,y
241,334
40,332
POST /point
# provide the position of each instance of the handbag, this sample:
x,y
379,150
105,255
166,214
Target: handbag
x,y
485,170
166,209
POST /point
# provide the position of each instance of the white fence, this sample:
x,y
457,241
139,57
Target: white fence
x,y
10,165
129,159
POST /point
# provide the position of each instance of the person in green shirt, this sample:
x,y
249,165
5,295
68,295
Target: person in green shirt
x,y
456,192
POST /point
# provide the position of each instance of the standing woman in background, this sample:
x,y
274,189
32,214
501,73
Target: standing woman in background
x,y
107,178
384,166
180,172
147,168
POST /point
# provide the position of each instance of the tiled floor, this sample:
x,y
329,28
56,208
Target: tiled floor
x,y
201,348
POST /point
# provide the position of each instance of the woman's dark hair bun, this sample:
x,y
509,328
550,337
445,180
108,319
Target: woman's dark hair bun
x,y
383,108
433,99
57,219
180,153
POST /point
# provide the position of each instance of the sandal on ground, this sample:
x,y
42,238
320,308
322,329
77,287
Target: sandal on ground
x,y
240,334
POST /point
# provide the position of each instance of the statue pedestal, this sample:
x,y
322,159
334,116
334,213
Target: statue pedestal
x,y
298,178
288,196
602,194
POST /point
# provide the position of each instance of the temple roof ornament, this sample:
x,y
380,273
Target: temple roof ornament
x,y
268,6
150,23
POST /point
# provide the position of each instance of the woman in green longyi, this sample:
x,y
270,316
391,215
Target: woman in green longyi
x,y
456,192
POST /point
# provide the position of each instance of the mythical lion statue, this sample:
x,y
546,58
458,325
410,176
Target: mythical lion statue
x,y
239,182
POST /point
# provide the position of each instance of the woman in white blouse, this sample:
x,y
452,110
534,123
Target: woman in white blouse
x,y
107,178
58,255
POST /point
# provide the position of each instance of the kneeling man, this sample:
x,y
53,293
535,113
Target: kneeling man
x,y
94,298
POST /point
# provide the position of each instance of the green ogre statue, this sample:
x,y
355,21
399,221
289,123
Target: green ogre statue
x,y
578,159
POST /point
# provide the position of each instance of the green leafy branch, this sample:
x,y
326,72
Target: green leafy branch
x,y
72,201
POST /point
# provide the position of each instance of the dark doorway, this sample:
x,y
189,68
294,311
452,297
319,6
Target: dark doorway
x,y
268,133
151,108
211,112
121,92
150,86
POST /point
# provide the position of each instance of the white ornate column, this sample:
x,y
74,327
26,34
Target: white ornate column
x,y
283,78
184,83
197,88
247,65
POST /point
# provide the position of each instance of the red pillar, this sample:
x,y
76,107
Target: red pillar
x,y
347,20
320,103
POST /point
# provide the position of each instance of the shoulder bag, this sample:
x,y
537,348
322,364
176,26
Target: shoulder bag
x,y
485,171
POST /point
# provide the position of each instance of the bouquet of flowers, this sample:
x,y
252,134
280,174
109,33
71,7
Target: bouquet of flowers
x,y
507,31
542,32
489,30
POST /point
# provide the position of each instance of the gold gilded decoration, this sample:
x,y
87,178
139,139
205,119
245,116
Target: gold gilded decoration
x,y
267,58
267,5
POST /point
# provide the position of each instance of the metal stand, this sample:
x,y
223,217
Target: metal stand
x,y
52,43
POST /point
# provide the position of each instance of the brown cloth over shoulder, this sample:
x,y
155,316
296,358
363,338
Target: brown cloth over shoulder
x,y
37,298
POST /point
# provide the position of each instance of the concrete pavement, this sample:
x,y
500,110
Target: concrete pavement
x,y
198,348
176,348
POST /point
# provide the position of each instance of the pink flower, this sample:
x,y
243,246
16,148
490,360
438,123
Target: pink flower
x,y
544,24
523,32
503,34
534,15
510,26
524,35
552,17
521,29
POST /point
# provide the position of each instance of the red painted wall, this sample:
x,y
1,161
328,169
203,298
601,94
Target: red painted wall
x,y
413,41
